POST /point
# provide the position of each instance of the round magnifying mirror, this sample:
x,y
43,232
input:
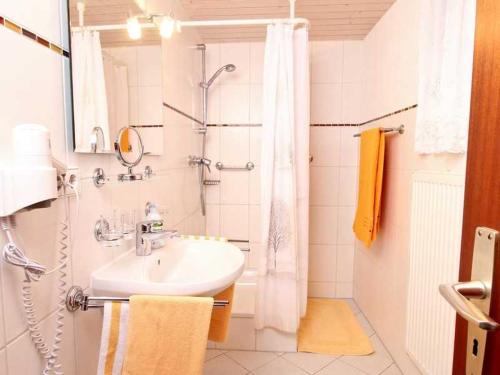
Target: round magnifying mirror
x,y
129,150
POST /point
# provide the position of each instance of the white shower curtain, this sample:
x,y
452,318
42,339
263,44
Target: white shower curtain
x,y
445,75
89,89
282,282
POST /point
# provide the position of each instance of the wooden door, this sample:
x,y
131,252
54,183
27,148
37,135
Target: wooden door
x,y
482,186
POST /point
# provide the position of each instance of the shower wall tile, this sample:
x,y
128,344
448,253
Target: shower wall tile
x,y
239,55
254,220
234,187
150,110
255,104
234,221
235,146
345,263
212,219
323,225
254,191
348,186
149,68
321,289
255,142
235,104
256,62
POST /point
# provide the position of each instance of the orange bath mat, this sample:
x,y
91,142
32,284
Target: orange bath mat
x,y
330,327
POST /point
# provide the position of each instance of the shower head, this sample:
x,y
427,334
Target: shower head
x,y
227,68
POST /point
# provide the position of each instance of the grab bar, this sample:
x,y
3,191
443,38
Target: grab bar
x,y
400,129
248,167
77,300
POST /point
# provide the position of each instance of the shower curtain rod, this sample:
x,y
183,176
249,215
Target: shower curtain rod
x,y
209,23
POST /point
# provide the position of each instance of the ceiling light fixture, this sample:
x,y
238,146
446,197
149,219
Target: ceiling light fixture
x,y
134,28
167,27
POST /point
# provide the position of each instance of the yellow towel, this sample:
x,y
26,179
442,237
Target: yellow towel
x,y
221,316
167,335
371,171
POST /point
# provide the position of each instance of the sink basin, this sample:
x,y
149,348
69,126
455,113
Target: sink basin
x,y
183,267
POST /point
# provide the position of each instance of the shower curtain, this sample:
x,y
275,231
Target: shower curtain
x,y
445,75
89,89
282,281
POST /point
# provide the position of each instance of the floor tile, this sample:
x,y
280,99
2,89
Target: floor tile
x,y
374,363
340,368
251,360
393,370
353,305
223,365
212,353
279,367
310,362
365,324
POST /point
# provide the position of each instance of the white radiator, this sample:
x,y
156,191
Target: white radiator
x,y
436,229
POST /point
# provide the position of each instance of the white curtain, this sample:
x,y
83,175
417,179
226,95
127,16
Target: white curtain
x,y
116,77
445,75
89,89
282,282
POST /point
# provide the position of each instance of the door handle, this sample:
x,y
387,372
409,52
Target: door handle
x,y
458,295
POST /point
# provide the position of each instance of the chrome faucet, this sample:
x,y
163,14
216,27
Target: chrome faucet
x,y
149,231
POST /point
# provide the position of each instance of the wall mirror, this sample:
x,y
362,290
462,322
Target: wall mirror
x,y
116,80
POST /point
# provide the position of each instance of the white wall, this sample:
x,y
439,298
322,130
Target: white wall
x,y
144,68
32,91
381,272
233,207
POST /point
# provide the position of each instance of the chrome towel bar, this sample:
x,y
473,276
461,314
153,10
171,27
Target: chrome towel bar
x,y
400,129
77,300
248,167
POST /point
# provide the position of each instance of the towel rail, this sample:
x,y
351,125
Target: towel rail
x,y
77,300
400,129
248,167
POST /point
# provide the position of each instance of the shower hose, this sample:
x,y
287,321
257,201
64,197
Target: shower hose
x,y
33,272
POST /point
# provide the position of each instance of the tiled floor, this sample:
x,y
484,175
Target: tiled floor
x,y
221,362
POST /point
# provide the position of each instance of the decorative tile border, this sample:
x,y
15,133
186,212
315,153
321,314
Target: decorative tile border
x,y
326,125
390,114
11,25
147,126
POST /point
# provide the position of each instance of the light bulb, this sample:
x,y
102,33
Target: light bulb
x,y
178,26
167,27
134,28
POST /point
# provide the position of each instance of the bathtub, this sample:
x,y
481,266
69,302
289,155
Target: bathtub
x,y
245,291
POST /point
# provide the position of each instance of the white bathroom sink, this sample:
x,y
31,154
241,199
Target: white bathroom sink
x,y
182,267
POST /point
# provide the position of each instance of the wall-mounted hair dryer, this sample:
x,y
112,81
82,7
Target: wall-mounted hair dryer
x,y
31,180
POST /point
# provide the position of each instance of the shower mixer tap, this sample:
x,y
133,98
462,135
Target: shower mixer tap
x,y
197,160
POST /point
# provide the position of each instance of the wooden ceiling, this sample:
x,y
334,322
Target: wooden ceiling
x,y
111,12
330,19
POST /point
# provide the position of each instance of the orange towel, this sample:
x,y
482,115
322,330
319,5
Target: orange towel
x,y
167,335
371,171
221,316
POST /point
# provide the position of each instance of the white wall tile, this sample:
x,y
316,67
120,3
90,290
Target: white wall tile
x,y
255,104
353,64
326,103
321,290
234,146
255,144
213,220
254,188
234,187
254,219
150,109
348,186
323,225
322,263
345,263
237,54
351,103
345,220
235,107
256,62
344,290
324,186
349,146
149,67
326,61
325,146
234,222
